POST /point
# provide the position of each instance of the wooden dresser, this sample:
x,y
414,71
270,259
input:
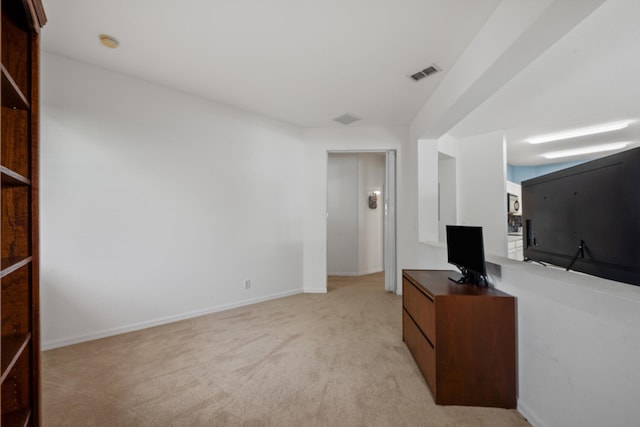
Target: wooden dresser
x,y
462,337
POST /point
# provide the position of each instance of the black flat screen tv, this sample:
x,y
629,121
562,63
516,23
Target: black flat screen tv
x,y
587,217
465,250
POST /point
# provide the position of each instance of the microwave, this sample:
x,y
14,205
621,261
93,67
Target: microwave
x,y
513,203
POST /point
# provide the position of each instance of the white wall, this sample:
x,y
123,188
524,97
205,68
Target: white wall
x,y
447,193
354,232
427,174
479,165
481,179
342,215
319,142
157,205
578,346
371,168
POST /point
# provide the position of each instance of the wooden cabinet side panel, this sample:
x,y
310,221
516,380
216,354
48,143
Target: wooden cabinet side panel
x,y
35,228
476,352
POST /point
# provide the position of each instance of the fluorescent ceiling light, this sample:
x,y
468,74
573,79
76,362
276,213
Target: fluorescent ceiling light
x,y
575,133
586,150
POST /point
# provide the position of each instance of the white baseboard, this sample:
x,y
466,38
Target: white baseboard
x,y
315,290
526,412
63,342
356,274
371,271
342,273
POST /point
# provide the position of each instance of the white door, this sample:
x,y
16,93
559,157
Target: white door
x,y
390,223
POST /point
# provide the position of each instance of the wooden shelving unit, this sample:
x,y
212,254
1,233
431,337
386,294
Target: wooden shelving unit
x,y
19,247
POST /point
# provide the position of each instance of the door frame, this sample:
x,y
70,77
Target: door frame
x,y
389,217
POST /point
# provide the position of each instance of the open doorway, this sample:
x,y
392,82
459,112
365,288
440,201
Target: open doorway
x,y
361,216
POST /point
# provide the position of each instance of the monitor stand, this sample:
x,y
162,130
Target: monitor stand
x,y
458,278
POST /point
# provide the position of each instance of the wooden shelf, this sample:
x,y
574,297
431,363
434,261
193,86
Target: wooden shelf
x,y
12,347
12,96
12,179
9,265
19,234
19,418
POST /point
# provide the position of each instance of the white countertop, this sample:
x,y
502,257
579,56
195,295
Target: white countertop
x,y
514,237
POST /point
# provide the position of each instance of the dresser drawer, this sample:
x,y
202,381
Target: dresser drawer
x,y
421,308
422,352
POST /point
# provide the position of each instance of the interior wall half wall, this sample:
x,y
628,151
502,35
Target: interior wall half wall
x,y
158,205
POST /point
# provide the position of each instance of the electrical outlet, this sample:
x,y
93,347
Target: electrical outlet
x,y
247,284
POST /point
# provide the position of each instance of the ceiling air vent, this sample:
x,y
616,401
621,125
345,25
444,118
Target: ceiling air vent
x,y
432,69
346,119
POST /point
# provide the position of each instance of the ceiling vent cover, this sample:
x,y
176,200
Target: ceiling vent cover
x,y
346,119
432,69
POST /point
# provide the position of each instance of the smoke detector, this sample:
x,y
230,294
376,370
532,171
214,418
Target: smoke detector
x,y
347,119
431,69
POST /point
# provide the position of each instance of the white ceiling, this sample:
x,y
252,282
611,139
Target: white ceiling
x,y
590,76
306,62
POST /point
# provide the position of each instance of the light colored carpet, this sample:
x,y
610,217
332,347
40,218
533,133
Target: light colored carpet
x,y
334,359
